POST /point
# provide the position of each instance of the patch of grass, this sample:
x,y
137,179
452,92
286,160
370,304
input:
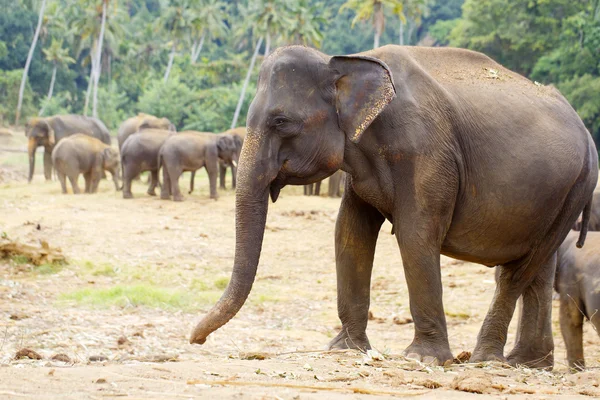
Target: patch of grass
x,y
49,268
139,295
199,285
19,259
458,314
103,269
221,283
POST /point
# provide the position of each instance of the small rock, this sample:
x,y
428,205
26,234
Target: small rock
x,y
27,353
473,382
402,320
139,334
100,380
61,357
428,383
123,341
18,316
98,358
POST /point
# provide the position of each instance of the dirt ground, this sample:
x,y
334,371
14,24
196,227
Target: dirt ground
x,y
142,272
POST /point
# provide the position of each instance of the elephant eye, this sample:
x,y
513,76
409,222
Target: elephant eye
x,y
285,126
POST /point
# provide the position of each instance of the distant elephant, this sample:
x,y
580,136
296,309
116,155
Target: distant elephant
x,y
140,153
577,282
594,222
83,154
333,189
313,189
463,156
189,151
140,122
238,135
49,131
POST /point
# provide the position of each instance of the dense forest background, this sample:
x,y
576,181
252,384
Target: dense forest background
x,y
188,59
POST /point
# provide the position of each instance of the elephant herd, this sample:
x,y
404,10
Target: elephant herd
x,y
75,144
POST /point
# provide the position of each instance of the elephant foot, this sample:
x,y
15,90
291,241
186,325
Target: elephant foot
x,y
127,195
165,196
480,356
151,192
344,340
178,198
538,359
214,197
432,354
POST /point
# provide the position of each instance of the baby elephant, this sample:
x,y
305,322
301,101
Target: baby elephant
x,y
83,154
578,284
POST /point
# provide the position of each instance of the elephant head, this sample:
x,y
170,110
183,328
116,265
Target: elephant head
x,y
309,111
39,132
111,163
227,150
152,122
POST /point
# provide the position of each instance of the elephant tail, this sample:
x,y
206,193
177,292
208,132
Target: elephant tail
x,y
585,219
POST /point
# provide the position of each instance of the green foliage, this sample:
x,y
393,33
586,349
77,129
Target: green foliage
x,y
9,92
582,92
60,103
113,105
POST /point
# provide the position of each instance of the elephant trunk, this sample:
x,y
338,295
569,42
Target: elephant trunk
x,y
31,148
252,199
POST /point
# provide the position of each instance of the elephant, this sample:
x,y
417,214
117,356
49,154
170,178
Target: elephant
x,y
594,222
464,157
140,153
577,277
140,122
83,154
333,189
48,131
238,135
190,151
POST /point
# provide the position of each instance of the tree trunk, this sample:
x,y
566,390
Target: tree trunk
x,y
36,35
267,44
378,23
411,28
376,40
197,49
401,33
51,89
248,75
170,65
99,61
91,80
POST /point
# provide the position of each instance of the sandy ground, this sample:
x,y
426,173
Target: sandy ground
x,y
179,256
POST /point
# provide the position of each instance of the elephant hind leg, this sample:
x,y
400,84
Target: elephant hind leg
x,y
153,182
73,180
129,173
571,327
87,177
534,346
63,181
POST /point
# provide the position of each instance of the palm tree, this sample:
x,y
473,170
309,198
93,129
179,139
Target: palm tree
x,y
211,22
306,24
28,61
265,19
58,57
411,13
177,21
373,10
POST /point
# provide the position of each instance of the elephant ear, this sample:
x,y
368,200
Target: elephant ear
x,y
364,87
43,124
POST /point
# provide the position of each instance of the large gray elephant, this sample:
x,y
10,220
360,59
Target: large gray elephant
x,y
238,135
48,131
140,122
464,157
190,151
83,154
577,277
140,153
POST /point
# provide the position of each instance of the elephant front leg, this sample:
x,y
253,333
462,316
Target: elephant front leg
x,y
421,261
534,346
222,174
48,163
212,171
356,232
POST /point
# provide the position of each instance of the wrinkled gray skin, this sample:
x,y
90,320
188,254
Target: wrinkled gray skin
x,y
48,131
140,153
491,171
83,154
594,223
577,282
238,136
140,122
190,151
